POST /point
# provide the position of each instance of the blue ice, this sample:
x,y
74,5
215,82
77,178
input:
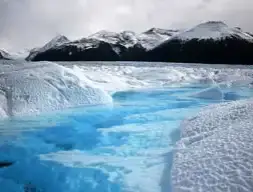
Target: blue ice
x,y
127,148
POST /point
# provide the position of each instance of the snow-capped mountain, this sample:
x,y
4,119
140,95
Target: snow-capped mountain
x,y
4,55
155,36
210,42
56,41
125,38
213,30
85,49
126,45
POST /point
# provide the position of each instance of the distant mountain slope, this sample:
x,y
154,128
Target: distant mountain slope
x,y
57,41
102,46
4,55
125,38
155,36
210,42
81,50
215,30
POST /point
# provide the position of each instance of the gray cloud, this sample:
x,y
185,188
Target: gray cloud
x,y
29,23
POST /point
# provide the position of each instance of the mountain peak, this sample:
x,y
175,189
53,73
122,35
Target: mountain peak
x,y
4,55
59,39
212,30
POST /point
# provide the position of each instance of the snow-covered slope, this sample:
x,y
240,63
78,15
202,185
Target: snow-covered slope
x,y
211,42
215,150
148,39
220,44
213,30
155,36
125,38
27,89
4,55
56,41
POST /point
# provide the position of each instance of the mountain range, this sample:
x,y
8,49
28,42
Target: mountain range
x,y
209,42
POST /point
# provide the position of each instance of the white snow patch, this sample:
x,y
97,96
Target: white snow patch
x,y
57,41
154,37
212,30
125,38
125,77
215,150
34,88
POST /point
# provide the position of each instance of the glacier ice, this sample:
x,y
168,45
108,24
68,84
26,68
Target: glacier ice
x,y
215,150
34,88
210,93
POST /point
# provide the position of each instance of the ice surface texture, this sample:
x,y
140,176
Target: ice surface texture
x,y
215,151
28,89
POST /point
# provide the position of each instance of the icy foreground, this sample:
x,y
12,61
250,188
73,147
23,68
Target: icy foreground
x,y
129,147
34,88
215,150
29,89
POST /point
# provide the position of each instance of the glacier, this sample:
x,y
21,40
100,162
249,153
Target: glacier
x,y
215,150
30,89
135,127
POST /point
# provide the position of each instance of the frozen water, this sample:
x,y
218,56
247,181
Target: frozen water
x,y
101,150
29,89
129,147
215,151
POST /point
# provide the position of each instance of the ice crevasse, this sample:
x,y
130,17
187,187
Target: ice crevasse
x,y
45,87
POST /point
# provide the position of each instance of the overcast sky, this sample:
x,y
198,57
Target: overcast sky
x,y
29,23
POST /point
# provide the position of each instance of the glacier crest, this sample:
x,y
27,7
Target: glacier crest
x,y
45,87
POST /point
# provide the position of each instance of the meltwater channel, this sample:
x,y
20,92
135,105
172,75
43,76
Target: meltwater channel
x,y
125,148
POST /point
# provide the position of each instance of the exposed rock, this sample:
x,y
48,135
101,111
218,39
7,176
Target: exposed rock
x,y
57,41
82,50
101,46
211,42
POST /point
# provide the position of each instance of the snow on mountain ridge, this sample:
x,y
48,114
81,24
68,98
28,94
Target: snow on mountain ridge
x,y
147,39
125,38
56,41
155,36
161,31
212,30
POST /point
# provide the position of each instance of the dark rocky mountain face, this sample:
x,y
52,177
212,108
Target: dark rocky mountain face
x,y
211,42
80,51
57,41
222,51
1,56
101,46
